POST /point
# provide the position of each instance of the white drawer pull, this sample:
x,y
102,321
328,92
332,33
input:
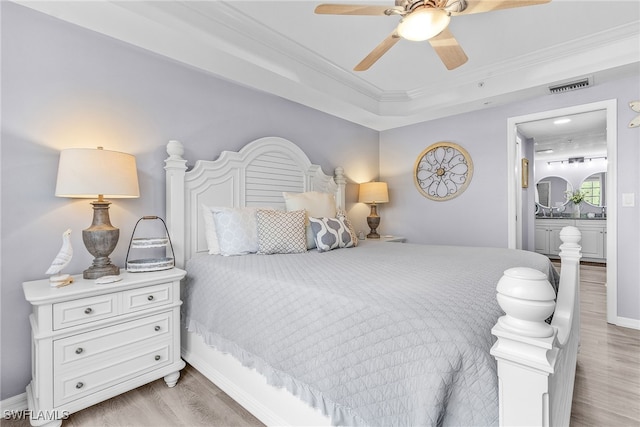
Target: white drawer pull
x,y
157,328
88,310
79,385
158,357
150,297
79,350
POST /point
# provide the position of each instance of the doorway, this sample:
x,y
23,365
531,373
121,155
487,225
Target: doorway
x,y
517,223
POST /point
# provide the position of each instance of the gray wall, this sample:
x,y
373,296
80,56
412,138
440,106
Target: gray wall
x,y
64,87
478,217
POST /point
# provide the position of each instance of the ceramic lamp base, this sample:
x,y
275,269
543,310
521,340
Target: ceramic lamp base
x,y
100,240
373,221
94,272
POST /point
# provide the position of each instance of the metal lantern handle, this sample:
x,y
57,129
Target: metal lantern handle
x,y
150,217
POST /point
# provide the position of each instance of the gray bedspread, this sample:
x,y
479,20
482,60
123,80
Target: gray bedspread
x,y
384,334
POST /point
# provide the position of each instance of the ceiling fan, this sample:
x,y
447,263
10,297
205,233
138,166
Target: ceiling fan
x,y
423,20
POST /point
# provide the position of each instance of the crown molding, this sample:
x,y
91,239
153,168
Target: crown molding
x,y
216,38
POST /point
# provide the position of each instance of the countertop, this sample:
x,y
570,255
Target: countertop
x,y
582,217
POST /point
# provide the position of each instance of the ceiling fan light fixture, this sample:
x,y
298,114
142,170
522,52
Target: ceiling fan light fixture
x,y
423,24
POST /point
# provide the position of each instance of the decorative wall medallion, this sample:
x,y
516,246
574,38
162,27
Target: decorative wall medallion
x,y
443,171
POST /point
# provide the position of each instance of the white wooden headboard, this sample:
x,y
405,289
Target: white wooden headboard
x,y
254,176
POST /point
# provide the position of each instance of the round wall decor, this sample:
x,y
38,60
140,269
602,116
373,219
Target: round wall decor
x,y
443,171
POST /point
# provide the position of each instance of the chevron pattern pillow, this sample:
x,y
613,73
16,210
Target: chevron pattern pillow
x,y
281,232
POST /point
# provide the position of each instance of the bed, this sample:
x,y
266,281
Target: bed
x,y
376,334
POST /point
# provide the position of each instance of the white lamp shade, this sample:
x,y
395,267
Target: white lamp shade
x,y
423,24
88,172
373,192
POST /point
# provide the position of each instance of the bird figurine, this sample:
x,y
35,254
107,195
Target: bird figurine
x,y
61,261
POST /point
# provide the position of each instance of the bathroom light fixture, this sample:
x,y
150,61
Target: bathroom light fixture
x,y
574,160
373,193
91,173
423,23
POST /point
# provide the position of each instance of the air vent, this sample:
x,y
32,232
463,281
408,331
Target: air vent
x,y
569,86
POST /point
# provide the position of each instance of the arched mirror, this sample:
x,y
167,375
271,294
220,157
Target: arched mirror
x,y
594,186
551,192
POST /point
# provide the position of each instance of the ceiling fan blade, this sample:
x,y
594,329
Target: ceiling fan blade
x,y
351,9
480,6
448,49
377,53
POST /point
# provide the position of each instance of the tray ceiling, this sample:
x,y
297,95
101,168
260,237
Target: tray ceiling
x,y
283,48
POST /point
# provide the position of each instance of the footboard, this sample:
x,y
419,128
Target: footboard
x,y
537,360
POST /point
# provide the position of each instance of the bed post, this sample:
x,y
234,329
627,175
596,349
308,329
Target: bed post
x,y
536,360
175,167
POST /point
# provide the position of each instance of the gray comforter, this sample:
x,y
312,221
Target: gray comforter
x,y
382,334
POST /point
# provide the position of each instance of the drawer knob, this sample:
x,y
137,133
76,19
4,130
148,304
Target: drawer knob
x,y
88,310
157,357
150,297
79,385
79,350
157,328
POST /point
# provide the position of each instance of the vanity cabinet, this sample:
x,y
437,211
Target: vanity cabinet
x,y
547,235
594,239
593,242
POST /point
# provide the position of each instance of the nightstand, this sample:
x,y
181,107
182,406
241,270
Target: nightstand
x,y
91,341
394,239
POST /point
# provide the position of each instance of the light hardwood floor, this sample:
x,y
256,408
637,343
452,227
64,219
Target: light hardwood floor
x,y
607,391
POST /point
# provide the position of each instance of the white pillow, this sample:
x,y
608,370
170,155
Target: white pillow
x,y
281,232
210,230
236,229
315,203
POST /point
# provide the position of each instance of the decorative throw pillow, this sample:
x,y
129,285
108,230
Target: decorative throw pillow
x,y
236,230
315,203
352,231
281,232
210,230
331,233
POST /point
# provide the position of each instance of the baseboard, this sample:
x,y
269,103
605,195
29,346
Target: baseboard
x,y
626,322
14,404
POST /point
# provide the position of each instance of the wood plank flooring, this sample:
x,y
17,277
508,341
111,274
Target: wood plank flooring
x,y
607,390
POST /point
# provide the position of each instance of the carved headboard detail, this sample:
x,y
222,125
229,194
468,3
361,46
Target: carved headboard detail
x,y
254,176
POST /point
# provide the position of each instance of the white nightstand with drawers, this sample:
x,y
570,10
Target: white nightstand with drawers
x,y
91,341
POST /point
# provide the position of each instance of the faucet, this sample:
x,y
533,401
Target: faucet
x,y
604,212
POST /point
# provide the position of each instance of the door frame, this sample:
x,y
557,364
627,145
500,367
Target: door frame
x,y
514,195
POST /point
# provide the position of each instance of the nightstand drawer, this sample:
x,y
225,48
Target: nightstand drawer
x,y
76,312
151,296
115,370
100,342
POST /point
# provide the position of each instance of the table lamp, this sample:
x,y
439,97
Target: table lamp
x,y
91,173
373,193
